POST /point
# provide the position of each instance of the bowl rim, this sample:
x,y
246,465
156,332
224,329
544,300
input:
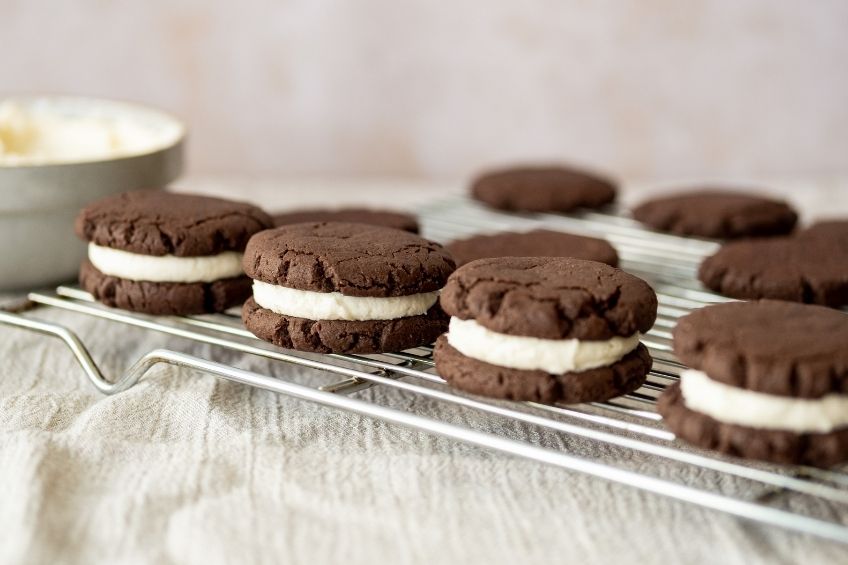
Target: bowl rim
x,y
131,106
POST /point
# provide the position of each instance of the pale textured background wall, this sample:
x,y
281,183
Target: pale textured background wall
x,y
654,89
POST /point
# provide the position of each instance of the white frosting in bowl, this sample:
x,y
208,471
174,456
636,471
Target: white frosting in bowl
x,y
44,131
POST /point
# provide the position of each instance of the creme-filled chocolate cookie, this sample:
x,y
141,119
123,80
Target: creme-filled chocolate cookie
x,y
538,243
164,253
345,288
545,329
543,189
385,218
768,380
717,214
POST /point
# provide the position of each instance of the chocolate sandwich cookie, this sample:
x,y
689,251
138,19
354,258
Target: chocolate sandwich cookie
x,y
345,288
768,380
536,243
163,253
717,214
545,329
385,218
811,269
543,189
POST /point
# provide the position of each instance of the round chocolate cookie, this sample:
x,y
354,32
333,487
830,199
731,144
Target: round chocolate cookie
x,y
776,446
354,261
536,243
800,269
529,307
173,234
593,385
385,218
717,214
768,346
542,189
551,298
153,222
769,377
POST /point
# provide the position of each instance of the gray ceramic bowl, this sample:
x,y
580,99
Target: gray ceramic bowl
x,y
38,203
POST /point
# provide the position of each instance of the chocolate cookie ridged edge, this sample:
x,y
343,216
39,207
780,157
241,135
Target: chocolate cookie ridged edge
x,y
776,446
593,385
164,298
343,336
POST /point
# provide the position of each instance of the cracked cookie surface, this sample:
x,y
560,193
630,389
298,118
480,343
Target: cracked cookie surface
x,y
550,298
769,346
154,222
593,385
352,259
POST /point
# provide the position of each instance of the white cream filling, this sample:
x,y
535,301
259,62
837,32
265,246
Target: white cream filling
x,y
734,405
165,268
336,306
553,356
40,133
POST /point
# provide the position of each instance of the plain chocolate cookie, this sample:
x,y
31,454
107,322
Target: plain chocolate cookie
x,y
594,385
385,218
811,269
154,222
778,446
834,231
542,189
717,214
550,298
769,346
536,243
353,259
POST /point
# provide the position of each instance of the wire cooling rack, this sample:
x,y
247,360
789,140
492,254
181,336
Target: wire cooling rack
x,y
629,423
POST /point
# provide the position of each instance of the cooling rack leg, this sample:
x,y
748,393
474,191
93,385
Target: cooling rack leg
x,y
83,357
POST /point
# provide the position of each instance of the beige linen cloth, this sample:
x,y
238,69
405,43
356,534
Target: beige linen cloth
x,y
185,468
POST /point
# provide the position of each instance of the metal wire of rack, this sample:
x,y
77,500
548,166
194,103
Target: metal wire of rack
x,y
630,422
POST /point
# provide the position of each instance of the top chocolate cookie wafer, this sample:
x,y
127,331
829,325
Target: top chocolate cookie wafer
x,y
352,259
769,346
153,222
543,189
386,218
550,298
717,214
536,243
